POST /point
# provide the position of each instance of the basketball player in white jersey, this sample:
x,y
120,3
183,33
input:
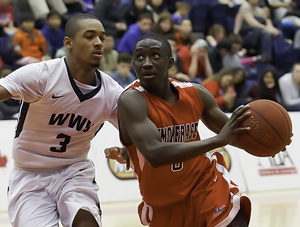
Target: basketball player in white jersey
x,y
65,103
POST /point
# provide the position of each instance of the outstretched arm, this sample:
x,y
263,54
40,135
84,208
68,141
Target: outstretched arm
x,y
137,128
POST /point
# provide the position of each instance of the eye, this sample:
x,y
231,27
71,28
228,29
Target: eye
x,y
155,56
139,57
102,38
89,36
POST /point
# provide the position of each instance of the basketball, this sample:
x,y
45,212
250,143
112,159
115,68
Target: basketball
x,y
270,129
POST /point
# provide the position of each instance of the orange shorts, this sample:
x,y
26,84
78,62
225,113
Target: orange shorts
x,y
215,201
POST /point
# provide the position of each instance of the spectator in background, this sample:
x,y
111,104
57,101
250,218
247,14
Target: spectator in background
x,y
29,44
174,73
110,55
134,10
215,34
195,61
164,25
53,32
7,16
182,12
41,8
289,85
177,60
184,34
109,12
267,87
217,54
221,87
8,108
256,28
156,7
123,74
74,6
134,32
240,87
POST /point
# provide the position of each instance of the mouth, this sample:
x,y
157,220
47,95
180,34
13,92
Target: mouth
x,y
149,75
98,53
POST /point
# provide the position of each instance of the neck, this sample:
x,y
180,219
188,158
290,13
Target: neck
x,y
85,75
166,92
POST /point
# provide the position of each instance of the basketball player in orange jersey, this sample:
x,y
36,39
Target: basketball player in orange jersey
x,y
182,184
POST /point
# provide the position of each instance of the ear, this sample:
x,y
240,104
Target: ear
x,y
68,42
171,63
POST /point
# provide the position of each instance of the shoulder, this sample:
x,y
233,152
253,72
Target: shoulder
x,y
207,98
131,100
284,78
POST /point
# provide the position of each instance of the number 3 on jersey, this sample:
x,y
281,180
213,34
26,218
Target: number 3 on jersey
x,y
63,144
177,167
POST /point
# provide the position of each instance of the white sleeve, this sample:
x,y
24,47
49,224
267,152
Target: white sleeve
x,y
27,83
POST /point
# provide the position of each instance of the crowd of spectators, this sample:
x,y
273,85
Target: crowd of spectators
x,y
239,50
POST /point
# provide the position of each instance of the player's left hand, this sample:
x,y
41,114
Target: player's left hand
x,y
119,154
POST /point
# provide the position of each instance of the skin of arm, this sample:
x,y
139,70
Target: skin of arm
x,y
4,94
137,128
194,62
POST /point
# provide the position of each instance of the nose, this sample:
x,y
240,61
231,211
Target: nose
x,y
147,63
98,42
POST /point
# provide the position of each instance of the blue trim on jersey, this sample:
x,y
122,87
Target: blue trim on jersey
x,y
82,97
22,117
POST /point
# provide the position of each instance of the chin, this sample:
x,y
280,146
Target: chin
x,y
95,65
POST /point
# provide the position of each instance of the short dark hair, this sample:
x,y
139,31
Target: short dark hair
x,y
53,13
71,27
26,17
224,43
165,44
124,57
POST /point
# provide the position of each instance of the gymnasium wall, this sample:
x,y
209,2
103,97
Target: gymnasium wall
x,y
116,184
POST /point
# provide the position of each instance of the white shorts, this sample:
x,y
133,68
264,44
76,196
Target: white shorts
x,y
44,198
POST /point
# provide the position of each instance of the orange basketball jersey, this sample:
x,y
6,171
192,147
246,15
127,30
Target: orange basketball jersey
x,y
170,185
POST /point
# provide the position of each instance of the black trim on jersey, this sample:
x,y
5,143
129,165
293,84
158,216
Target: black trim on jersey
x,y
98,129
82,97
22,117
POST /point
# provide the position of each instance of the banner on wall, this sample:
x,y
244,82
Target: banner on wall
x,y
116,184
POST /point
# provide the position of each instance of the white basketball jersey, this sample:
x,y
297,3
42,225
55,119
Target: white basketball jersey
x,y
57,121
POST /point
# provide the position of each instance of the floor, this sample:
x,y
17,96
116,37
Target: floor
x,y
269,209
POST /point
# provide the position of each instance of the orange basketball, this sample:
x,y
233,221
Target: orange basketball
x,y
270,129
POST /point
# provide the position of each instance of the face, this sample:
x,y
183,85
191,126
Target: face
x,y
296,74
54,21
226,80
202,52
140,4
220,35
239,76
145,25
186,27
269,80
87,45
123,68
236,47
253,2
28,25
151,63
166,25
156,3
